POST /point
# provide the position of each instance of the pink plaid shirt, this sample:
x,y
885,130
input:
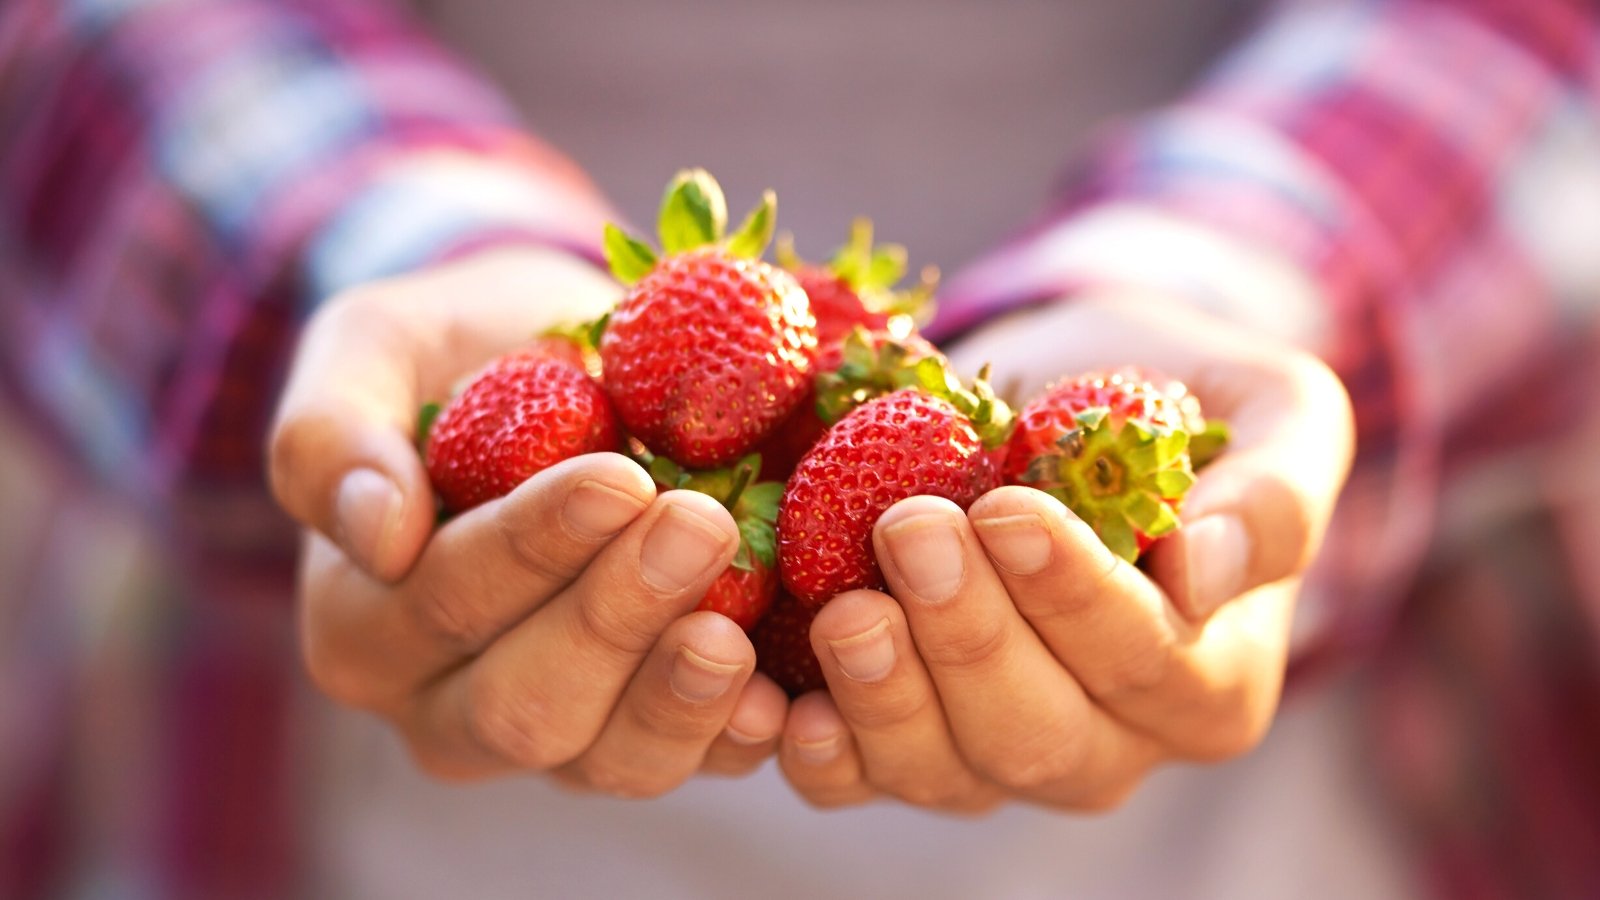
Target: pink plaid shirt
x,y
162,231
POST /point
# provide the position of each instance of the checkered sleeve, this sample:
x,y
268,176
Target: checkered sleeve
x,y
1409,188
181,180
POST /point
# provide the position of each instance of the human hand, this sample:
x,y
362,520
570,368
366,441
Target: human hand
x,y
1017,657
550,630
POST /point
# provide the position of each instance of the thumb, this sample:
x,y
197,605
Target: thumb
x,y
1257,514
341,457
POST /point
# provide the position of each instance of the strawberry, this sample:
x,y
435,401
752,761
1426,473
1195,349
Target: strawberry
x,y
936,439
744,590
783,646
1115,448
525,412
856,287
709,349
850,371
742,595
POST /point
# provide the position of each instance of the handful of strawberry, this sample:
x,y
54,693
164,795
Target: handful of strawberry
x,y
717,370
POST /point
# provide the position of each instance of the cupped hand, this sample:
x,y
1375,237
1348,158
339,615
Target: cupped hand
x,y
551,630
1015,657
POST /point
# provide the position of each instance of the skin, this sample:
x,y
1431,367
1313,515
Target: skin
x,y
1015,658
552,631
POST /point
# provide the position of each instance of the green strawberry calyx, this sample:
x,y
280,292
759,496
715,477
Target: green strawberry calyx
x,y
754,504
991,417
694,214
873,273
1208,444
426,416
586,337
585,334
1123,478
871,366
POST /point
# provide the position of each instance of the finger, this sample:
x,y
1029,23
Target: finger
x,y
1257,514
888,700
1203,693
538,696
368,643
341,456
818,756
1018,717
753,729
676,706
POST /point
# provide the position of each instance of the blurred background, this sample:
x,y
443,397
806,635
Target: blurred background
x,y
153,717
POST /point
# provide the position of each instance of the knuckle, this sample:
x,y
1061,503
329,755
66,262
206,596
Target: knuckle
x,y
1031,773
1139,669
601,623
1031,766
968,648
676,722
534,547
1069,607
884,709
516,726
452,617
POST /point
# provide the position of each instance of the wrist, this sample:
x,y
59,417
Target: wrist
x,y
432,206
1128,251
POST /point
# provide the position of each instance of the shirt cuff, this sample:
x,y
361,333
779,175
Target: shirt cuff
x,y
1140,249
428,205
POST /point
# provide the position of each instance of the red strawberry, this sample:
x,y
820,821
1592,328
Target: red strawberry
x,y
850,371
524,413
856,287
905,443
836,304
744,590
783,646
1115,448
710,349
742,595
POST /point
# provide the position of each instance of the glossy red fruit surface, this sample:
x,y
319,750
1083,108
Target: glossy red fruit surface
x,y
782,642
890,448
707,354
524,413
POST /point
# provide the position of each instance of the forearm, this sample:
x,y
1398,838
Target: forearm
x,y
1378,183
186,179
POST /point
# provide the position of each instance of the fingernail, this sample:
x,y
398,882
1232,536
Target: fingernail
x,y
594,510
1216,554
740,737
817,752
1019,544
867,657
699,680
679,549
928,554
367,509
